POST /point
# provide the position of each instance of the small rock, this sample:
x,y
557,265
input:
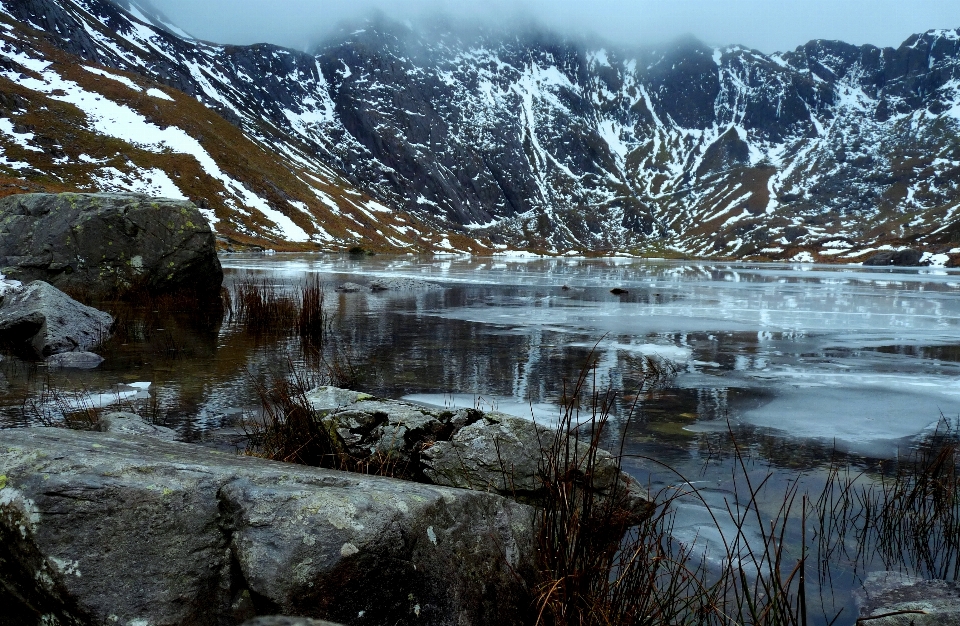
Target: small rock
x,y
283,620
75,360
349,288
41,320
124,423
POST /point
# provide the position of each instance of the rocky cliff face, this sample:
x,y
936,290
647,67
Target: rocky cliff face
x,y
531,140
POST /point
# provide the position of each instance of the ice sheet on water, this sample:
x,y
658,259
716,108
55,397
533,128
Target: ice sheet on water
x,y
874,419
99,400
542,413
674,353
127,391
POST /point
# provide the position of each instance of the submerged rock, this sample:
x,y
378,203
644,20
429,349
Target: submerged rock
x,y
40,320
106,244
908,601
400,284
75,360
124,423
103,528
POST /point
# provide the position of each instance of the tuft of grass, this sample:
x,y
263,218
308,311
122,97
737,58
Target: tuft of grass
x,y
262,307
289,429
908,518
313,324
598,566
597,563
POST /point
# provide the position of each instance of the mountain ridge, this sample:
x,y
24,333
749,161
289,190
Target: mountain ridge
x,y
827,152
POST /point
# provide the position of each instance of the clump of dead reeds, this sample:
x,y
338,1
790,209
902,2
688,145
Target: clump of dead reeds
x,y
262,307
599,566
597,563
313,323
908,517
289,429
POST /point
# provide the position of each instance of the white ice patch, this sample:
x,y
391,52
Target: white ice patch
x,y
156,93
100,400
542,413
9,285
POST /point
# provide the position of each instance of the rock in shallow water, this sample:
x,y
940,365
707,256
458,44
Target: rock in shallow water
x,y
898,258
463,448
40,320
99,528
75,360
504,454
105,244
400,284
124,423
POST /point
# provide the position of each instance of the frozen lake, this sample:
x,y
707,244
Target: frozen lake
x,y
861,358
801,363
858,359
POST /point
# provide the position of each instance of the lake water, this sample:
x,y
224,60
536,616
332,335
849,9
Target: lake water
x,y
800,363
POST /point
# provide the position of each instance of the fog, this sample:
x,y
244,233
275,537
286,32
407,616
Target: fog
x,y
761,24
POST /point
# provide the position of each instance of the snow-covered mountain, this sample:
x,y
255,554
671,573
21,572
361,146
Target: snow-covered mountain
x,y
530,140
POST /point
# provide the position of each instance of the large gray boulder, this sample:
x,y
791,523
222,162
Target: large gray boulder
x,y
106,244
98,528
463,448
40,320
896,599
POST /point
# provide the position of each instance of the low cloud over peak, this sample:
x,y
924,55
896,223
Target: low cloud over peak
x,y
758,24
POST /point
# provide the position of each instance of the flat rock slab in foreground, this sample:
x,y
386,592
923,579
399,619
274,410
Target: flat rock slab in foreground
x,y
105,244
99,528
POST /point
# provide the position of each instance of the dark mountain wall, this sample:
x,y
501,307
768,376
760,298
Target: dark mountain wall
x,y
534,140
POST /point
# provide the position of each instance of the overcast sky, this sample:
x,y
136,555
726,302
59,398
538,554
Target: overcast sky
x,y
768,25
